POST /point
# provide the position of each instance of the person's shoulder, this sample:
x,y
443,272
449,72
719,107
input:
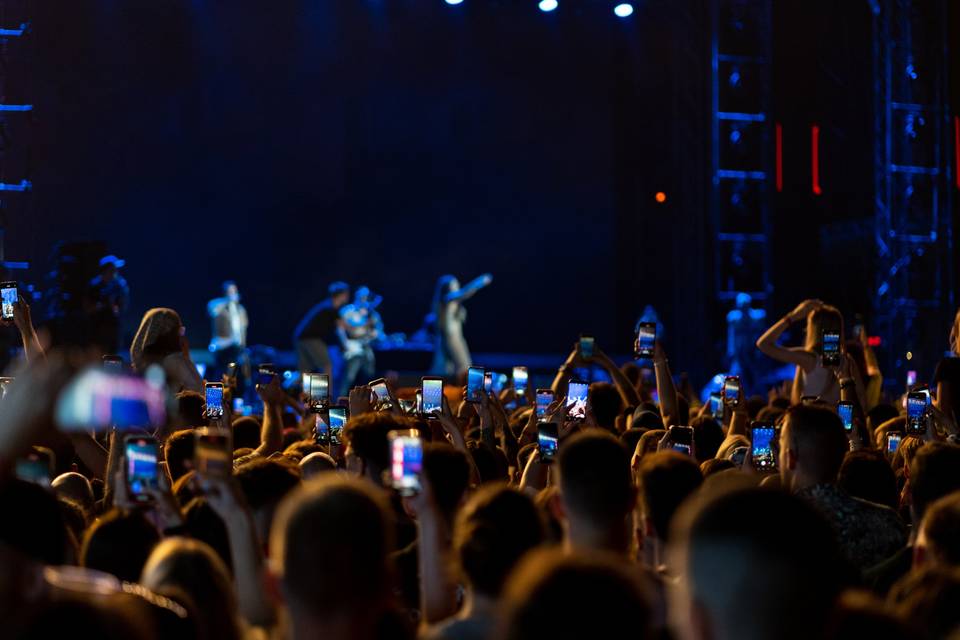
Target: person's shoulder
x,y
879,512
472,628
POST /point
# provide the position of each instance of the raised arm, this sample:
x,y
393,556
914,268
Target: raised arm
x,y
32,349
469,289
628,393
767,343
666,390
271,434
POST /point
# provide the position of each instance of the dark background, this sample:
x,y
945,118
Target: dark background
x,y
386,142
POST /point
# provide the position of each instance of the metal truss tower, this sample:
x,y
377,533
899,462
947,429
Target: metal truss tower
x,y
913,301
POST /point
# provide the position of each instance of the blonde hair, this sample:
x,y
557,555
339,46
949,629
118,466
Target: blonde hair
x,y
826,317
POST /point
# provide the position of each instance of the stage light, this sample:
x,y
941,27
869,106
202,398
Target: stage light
x,y
548,5
660,197
623,10
454,1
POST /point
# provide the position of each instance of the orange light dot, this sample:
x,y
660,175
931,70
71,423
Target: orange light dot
x,y
660,197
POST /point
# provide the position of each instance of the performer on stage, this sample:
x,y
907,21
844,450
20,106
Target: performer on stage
x,y
359,326
451,355
315,332
230,324
111,297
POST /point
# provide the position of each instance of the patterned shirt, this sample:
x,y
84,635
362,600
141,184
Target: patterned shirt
x,y
868,533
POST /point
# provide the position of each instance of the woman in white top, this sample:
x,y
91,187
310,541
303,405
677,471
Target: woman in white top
x,y
160,340
813,378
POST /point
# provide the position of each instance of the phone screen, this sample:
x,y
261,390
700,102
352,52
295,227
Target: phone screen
x,y
323,427
406,461
845,410
212,454
916,410
731,390
911,378
266,373
8,293
548,441
34,467
338,418
646,339
762,449
831,348
500,381
544,399
577,398
381,393
520,381
893,441
141,470
681,439
113,364
96,399
432,397
319,390
586,346
213,394
475,376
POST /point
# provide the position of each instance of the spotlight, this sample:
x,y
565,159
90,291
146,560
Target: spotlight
x,y
660,197
623,10
548,5
454,1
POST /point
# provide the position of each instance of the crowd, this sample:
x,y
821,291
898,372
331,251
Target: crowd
x,y
666,519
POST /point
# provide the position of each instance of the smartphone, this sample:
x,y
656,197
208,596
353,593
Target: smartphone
x,y
577,391
9,296
893,441
520,383
95,399
716,404
830,347
487,381
731,390
761,447
141,472
231,370
845,411
266,372
113,364
646,339
432,394
406,461
548,440
586,347
213,453
322,430
36,466
319,390
4,385
213,396
381,393
544,400
917,402
500,381
681,439
475,380
337,417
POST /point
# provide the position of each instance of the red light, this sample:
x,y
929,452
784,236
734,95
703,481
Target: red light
x,y
779,158
815,158
660,197
874,341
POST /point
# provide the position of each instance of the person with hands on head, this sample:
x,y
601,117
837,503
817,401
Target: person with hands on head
x,y
813,377
576,360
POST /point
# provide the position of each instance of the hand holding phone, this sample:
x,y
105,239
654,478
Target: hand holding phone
x,y
731,391
917,408
548,440
845,411
140,466
577,392
681,439
586,347
213,396
337,418
213,453
831,352
319,390
475,383
431,397
646,340
761,448
544,400
520,378
9,296
406,461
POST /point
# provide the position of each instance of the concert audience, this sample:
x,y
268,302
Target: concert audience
x,y
277,525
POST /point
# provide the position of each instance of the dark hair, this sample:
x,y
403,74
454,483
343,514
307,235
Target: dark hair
x,y
941,524
865,474
860,614
205,525
817,436
708,436
630,438
265,481
665,480
490,461
246,433
338,513
493,531
609,598
595,477
933,474
448,471
606,404
119,543
881,413
715,465
69,615
32,522
927,601
769,544
183,488
190,406
302,448
178,452
366,435
76,487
